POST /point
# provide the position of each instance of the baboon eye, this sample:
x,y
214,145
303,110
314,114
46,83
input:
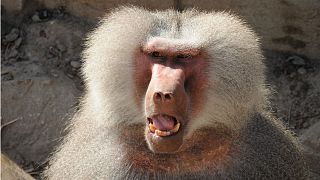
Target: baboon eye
x,y
156,54
184,56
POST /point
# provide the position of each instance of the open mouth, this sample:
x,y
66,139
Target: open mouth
x,y
163,125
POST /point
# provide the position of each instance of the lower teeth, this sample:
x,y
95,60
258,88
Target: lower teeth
x,y
164,133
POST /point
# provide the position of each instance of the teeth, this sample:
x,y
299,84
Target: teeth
x,y
152,128
164,133
176,128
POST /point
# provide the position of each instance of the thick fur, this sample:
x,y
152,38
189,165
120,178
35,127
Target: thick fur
x,y
96,148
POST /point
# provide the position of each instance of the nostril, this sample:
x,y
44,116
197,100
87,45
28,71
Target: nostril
x,y
167,97
157,96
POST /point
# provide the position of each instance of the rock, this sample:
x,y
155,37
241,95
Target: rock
x,y
33,101
302,71
296,60
13,35
70,75
54,73
17,42
12,53
36,17
75,64
10,170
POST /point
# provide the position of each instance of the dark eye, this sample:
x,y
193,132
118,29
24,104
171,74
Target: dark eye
x,y
156,54
184,56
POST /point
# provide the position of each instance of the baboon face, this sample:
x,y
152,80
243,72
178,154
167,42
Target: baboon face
x,y
172,82
174,73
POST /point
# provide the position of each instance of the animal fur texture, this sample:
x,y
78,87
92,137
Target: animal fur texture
x,y
233,137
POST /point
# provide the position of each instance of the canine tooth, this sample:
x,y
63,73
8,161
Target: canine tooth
x,y
176,128
162,133
152,128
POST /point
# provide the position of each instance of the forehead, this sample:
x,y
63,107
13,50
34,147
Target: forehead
x,y
178,27
170,33
170,46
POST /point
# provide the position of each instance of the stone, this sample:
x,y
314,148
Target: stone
x,y
302,71
75,64
41,106
296,60
36,18
12,53
10,170
13,35
17,42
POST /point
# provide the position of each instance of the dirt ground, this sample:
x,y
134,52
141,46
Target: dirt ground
x,y
41,84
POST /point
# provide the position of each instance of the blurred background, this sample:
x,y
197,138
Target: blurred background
x,y
42,40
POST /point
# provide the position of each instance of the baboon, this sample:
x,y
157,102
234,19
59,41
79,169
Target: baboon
x,y
175,95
